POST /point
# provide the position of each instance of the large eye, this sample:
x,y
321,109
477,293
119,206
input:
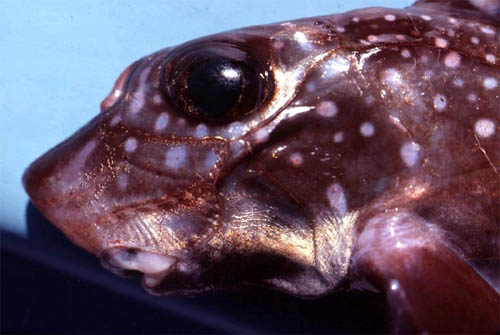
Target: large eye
x,y
217,81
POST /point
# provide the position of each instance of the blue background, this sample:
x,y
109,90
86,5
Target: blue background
x,y
59,59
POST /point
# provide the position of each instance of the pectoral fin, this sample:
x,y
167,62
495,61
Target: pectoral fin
x,y
429,287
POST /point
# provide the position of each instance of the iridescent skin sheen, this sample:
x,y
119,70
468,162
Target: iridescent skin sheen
x,y
372,156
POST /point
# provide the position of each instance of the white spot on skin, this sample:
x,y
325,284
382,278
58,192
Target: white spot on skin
x,y
175,157
327,109
471,97
440,102
474,40
484,128
211,160
490,58
261,135
452,20
115,120
237,148
161,122
392,76
452,59
340,29
336,65
490,83
367,129
122,181
200,131
369,100
336,198
487,30
130,144
355,19
235,130
296,159
157,99
440,42
311,86
426,17
409,153
338,137
458,82
302,39
428,74
389,17
139,96
405,53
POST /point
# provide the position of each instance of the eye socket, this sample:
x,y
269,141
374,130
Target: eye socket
x,y
216,82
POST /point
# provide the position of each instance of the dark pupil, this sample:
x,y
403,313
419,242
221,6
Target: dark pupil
x,y
214,85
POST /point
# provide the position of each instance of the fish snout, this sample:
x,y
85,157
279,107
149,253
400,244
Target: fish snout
x,y
35,179
62,183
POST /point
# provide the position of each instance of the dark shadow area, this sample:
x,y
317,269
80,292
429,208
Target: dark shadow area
x,y
37,299
50,285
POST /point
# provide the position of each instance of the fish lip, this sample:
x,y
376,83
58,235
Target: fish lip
x,y
132,262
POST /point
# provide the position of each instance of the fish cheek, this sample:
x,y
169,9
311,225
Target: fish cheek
x,y
173,227
163,194
266,236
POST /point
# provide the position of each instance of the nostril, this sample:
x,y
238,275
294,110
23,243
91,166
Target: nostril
x,y
126,261
120,261
126,258
117,90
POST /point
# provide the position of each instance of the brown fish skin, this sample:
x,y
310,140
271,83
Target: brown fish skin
x,y
361,147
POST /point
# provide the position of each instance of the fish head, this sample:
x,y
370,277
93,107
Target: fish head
x,y
250,157
165,180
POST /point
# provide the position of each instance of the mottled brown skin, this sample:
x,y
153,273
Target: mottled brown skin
x,y
371,156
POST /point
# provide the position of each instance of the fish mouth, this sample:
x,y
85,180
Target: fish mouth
x,y
154,267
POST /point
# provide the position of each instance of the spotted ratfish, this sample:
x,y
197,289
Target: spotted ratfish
x,y
361,147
